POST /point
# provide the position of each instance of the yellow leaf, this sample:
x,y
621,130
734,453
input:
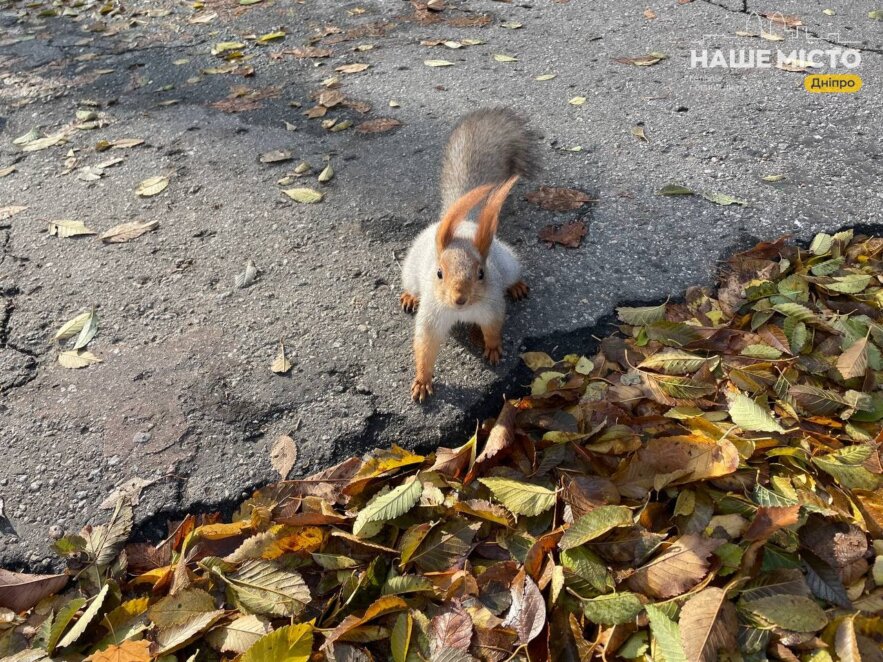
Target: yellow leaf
x,y
77,359
305,196
438,63
152,186
577,101
64,229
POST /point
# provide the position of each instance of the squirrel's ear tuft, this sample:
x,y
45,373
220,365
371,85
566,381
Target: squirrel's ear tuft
x,y
456,213
489,217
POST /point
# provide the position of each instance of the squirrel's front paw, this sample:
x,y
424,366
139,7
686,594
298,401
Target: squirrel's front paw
x,y
420,390
493,354
409,302
518,291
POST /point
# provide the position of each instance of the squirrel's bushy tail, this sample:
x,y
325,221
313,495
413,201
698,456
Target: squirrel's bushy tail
x,y
488,146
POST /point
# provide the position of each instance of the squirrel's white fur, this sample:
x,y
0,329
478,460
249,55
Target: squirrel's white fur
x,y
457,270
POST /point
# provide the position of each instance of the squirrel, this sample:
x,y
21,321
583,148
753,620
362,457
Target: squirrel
x,y
457,270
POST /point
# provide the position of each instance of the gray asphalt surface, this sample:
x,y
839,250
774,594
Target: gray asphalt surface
x,y
184,398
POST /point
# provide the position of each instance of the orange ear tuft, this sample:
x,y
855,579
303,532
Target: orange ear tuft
x,y
489,217
456,213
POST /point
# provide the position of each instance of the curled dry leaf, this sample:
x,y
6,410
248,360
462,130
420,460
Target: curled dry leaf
x,y
569,235
276,156
558,199
248,276
64,229
354,68
642,60
124,232
379,125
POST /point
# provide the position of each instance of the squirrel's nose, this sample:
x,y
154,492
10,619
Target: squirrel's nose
x,y
460,300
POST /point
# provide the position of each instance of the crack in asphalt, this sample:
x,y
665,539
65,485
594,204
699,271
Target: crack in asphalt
x,y
748,12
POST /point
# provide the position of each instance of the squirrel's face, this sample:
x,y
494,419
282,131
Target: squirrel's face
x,y
460,279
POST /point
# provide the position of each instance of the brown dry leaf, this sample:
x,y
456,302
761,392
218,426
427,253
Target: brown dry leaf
x,y
708,625
642,60
283,455
527,615
379,125
330,98
569,235
769,519
127,231
677,570
20,591
649,14
787,21
558,199
127,651
450,629
354,68
8,170
854,361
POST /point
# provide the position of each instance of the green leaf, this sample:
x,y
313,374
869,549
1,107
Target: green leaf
x,y
827,267
390,505
588,567
666,636
90,328
304,195
88,616
292,643
613,609
674,189
722,198
845,465
642,315
519,497
62,620
795,310
262,587
851,284
406,584
791,612
761,352
750,416
595,523
821,244
400,637
673,362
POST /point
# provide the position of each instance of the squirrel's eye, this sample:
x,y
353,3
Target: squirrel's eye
x,y
439,273
481,274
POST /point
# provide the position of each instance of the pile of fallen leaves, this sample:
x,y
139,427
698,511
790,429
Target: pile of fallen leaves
x,y
706,486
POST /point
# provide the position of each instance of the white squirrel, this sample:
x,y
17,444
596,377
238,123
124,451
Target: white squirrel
x,y
457,270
